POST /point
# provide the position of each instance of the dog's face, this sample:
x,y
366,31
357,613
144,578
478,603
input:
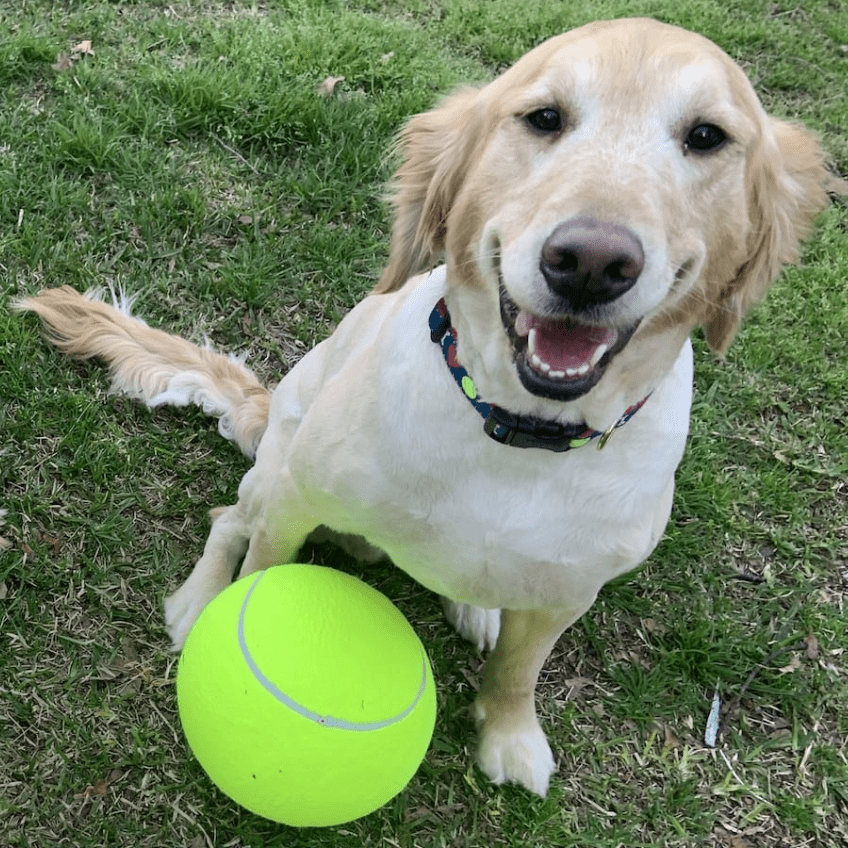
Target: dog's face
x,y
620,182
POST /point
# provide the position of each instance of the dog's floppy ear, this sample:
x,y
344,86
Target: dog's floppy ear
x,y
435,147
787,187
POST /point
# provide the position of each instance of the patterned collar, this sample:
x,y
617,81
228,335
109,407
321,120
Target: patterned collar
x,y
520,431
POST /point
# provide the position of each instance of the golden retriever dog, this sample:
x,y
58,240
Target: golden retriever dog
x,y
506,426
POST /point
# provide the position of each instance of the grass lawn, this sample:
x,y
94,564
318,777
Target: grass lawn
x,y
180,149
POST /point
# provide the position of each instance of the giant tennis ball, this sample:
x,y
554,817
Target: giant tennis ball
x,y
306,695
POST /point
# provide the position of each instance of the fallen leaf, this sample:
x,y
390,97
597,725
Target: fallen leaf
x,y
639,659
104,672
670,741
100,787
51,542
62,63
794,665
131,688
473,682
129,649
82,49
575,685
812,647
328,87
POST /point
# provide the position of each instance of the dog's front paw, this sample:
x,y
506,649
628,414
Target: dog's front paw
x,y
183,608
515,755
480,626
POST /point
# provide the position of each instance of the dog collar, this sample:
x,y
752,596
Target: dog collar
x,y
520,431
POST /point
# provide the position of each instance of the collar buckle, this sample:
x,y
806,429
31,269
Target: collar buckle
x,y
524,432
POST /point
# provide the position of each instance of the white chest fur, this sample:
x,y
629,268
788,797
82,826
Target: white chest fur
x,y
377,439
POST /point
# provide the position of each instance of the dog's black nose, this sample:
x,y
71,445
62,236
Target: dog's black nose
x,y
587,262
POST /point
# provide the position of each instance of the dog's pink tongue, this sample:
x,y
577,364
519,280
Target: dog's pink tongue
x,y
568,345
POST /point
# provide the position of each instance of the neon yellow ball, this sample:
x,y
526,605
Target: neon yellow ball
x,y
306,696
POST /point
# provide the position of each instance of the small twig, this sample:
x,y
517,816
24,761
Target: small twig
x,y
732,706
235,153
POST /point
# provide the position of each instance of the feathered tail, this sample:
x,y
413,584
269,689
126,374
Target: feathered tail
x,y
153,366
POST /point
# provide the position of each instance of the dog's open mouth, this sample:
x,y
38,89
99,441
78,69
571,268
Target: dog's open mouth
x,y
560,358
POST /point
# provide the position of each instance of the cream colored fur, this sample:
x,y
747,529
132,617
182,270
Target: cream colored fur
x,y
369,435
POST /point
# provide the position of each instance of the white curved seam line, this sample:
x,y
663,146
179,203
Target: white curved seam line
x,y
323,720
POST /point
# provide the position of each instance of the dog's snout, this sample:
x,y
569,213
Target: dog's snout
x,y
586,261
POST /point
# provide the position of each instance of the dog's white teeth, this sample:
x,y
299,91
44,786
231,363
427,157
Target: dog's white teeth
x,y
544,367
596,356
561,373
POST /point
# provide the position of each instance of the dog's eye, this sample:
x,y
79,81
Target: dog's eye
x,y
545,120
705,137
